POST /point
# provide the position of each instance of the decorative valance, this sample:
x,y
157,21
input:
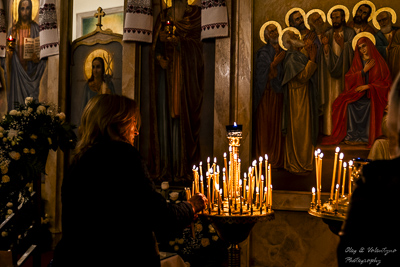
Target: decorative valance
x,y
214,19
48,29
138,21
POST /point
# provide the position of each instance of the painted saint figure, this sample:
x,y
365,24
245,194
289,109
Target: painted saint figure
x,y
97,83
300,86
337,57
388,39
362,14
24,73
357,113
268,97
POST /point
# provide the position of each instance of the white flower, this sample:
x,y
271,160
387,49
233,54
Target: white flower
x,y
12,133
28,100
41,109
13,112
61,116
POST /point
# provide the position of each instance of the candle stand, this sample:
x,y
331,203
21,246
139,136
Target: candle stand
x,y
334,211
236,202
235,228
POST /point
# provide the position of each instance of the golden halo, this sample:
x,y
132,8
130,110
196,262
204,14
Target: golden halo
x,y
108,62
312,11
373,8
35,10
262,29
360,35
291,11
388,9
293,29
346,13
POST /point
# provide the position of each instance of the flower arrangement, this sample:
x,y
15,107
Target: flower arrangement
x,y
27,133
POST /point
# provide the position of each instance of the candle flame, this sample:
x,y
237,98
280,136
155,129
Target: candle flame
x,y
337,149
208,160
315,153
194,167
240,182
220,191
257,189
249,170
234,124
201,178
262,177
224,154
337,186
344,164
254,162
319,150
215,159
247,188
321,155
218,168
223,170
313,190
245,175
341,156
265,189
350,163
260,159
201,163
217,187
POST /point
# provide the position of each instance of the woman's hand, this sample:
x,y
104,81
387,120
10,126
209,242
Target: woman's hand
x,y
362,88
198,202
369,65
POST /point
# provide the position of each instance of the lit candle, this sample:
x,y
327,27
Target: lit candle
x,y
244,184
337,197
214,164
350,177
201,185
319,189
255,169
340,168
247,194
261,191
240,186
208,188
334,171
201,168
224,182
269,187
193,188
260,159
313,196
344,177
208,163
218,203
194,179
316,170
266,167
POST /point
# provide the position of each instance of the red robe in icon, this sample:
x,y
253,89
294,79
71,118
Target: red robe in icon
x,y
379,82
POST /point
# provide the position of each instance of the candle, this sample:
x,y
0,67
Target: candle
x,y
340,168
224,183
269,187
214,164
201,185
208,187
316,170
334,171
244,184
208,163
218,205
194,179
261,189
247,194
350,177
255,169
260,159
193,188
337,197
201,168
313,196
257,196
344,177
319,189
270,197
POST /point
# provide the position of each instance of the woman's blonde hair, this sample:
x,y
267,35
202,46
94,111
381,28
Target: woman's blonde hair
x,y
108,117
